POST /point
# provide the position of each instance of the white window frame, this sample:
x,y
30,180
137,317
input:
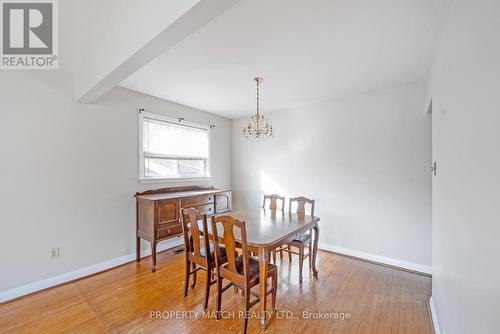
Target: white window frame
x,y
171,179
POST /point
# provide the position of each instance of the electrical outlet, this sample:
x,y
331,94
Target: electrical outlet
x,y
54,253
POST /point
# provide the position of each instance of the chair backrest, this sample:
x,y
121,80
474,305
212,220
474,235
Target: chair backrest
x,y
194,240
301,205
226,236
273,199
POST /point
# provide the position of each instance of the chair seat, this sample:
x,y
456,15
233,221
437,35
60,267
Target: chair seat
x,y
301,239
253,267
223,254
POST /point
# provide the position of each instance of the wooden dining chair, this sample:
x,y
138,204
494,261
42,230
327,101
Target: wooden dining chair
x,y
198,251
303,239
242,271
273,202
273,205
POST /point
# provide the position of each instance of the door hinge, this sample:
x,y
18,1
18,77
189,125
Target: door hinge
x,y
434,168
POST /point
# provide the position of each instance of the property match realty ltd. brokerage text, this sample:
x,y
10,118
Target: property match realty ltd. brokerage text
x,y
310,315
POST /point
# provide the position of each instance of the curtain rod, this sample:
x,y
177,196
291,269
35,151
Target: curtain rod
x,y
141,110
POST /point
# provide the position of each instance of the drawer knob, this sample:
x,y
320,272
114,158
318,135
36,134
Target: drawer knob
x,y
209,209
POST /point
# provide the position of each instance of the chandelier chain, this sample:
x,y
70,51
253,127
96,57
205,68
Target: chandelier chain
x,y
258,96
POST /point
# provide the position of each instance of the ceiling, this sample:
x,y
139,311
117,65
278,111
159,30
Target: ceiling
x,y
83,25
307,51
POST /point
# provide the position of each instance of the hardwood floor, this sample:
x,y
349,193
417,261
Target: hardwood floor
x,y
379,300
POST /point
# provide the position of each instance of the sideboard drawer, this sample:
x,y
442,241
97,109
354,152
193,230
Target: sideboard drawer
x,y
192,201
209,209
171,230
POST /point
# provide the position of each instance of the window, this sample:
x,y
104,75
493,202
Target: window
x,y
173,149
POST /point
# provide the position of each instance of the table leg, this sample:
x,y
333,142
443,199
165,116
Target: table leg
x,y
315,249
263,261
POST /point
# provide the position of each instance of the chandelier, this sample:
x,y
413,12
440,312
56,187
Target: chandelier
x,y
258,128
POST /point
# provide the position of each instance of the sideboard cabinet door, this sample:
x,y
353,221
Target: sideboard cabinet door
x,y
168,211
223,202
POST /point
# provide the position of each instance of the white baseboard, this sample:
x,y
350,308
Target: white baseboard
x,y
377,258
63,278
435,322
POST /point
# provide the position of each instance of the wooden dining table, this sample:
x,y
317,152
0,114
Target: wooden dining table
x,y
268,230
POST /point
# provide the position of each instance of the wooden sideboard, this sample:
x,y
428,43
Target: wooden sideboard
x,y
158,211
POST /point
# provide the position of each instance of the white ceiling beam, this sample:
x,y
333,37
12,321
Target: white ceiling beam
x,y
148,29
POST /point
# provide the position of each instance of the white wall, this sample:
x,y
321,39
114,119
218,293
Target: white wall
x,y
465,88
365,159
69,171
